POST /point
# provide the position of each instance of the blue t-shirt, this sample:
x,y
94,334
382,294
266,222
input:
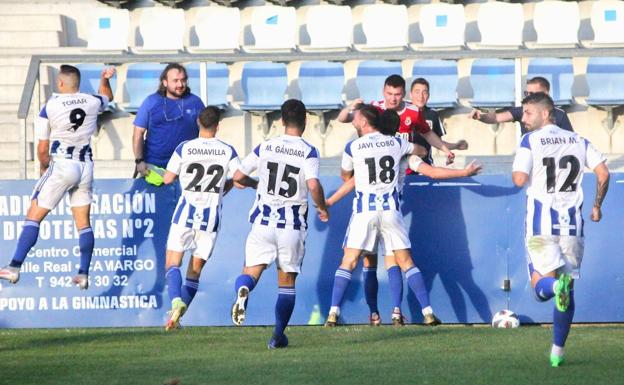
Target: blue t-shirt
x,y
561,119
169,122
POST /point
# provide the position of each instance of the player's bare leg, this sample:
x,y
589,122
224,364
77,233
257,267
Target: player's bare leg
x,y
27,239
416,284
395,280
371,287
283,308
86,242
341,282
244,285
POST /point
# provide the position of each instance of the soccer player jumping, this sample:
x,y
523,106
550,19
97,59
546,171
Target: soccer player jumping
x,y
550,162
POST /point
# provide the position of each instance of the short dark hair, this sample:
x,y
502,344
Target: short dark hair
x,y
294,114
71,71
542,99
389,122
162,90
209,117
370,113
543,82
395,81
422,81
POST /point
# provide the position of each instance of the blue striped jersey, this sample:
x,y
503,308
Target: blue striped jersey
x,y
375,161
203,166
283,165
68,121
555,160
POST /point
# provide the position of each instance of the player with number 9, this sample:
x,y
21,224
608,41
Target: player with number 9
x,y
202,166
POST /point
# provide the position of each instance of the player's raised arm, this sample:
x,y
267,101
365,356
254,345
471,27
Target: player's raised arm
x,y
416,164
105,88
343,190
346,114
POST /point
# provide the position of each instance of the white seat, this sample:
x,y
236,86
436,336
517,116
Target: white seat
x,y
500,25
607,21
556,24
109,29
330,28
162,30
385,27
442,26
217,29
273,28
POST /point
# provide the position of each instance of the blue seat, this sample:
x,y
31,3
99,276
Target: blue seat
x,y
560,74
493,83
264,85
442,77
605,78
90,75
321,85
371,75
142,80
217,83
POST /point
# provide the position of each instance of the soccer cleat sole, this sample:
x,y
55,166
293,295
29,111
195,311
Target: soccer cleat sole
x,y
562,292
374,319
431,320
10,274
238,308
82,281
332,320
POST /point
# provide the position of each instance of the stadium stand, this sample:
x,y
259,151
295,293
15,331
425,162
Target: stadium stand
x,y
321,84
492,81
605,78
329,28
607,21
378,34
563,33
442,26
500,25
273,28
442,77
560,74
217,29
109,29
216,83
142,79
264,85
157,39
32,31
371,75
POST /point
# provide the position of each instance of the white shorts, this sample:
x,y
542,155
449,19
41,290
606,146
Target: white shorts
x,y
200,243
563,253
365,228
267,244
65,175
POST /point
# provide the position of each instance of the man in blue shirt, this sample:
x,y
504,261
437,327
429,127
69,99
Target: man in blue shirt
x,y
165,119
514,114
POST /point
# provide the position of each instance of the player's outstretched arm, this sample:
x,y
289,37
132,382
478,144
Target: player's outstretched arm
x,y
346,114
459,145
43,155
241,180
169,177
442,172
318,196
105,88
433,139
343,190
491,117
602,185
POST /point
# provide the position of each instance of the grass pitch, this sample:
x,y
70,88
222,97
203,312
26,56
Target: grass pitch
x,y
343,355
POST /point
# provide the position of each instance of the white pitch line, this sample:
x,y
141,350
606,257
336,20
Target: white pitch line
x,y
446,184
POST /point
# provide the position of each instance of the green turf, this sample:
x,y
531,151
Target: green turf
x,y
343,355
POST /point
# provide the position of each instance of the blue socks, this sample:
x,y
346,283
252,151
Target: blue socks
x,y
85,242
341,282
395,280
416,283
189,289
283,309
245,280
562,322
544,288
371,286
174,282
27,239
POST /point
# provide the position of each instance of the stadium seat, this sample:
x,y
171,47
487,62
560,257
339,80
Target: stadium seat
x,y
442,77
500,25
142,79
109,29
493,83
377,21
605,78
264,85
217,83
560,74
563,32
607,21
159,39
442,26
217,29
330,28
90,75
32,31
371,75
321,85
273,28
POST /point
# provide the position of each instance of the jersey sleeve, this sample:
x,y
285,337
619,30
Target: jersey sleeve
x,y
347,158
311,165
175,162
103,102
438,127
250,163
42,126
143,114
592,156
406,147
523,161
516,113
